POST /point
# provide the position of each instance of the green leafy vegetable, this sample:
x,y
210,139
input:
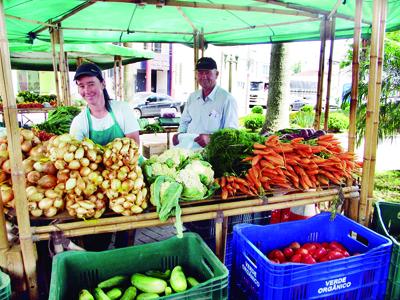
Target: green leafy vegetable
x,y
228,147
59,120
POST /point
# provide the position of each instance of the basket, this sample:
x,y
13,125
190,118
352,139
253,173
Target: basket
x,y
5,286
386,221
362,276
75,270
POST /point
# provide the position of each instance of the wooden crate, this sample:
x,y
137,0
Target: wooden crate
x,y
153,149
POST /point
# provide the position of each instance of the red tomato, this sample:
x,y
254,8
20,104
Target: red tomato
x,y
296,258
307,259
288,252
336,245
294,245
319,253
276,254
302,251
275,261
310,247
325,245
324,258
345,254
334,254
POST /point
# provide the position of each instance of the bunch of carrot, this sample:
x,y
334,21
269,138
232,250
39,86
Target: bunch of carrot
x,y
292,165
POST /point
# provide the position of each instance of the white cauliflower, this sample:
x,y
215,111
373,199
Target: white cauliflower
x,y
174,156
162,169
192,186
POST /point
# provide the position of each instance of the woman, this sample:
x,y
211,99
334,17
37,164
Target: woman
x,y
103,120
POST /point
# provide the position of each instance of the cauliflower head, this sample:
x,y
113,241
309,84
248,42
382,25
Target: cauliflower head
x,y
193,188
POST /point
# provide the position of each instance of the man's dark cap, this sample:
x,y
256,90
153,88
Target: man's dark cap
x,y
88,69
206,63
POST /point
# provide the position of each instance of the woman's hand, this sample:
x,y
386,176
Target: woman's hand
x,y
202,139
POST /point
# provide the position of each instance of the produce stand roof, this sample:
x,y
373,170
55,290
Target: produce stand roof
x,y
223,22
38,56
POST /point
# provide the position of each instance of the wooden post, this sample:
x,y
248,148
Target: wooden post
x,y
370,115
63,71
4,245
67,78
17,170
355,74
115,84
330,61
381,51
195,57
318,108
54,41
120,82
202,42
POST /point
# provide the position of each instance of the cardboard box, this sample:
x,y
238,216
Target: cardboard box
x,y
153,149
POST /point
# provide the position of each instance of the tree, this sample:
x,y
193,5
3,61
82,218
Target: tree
x,y
277,115
389,112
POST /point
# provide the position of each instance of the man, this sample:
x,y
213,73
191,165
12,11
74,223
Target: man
x,y
209,109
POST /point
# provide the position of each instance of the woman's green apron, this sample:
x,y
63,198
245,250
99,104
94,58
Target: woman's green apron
x,y
103,137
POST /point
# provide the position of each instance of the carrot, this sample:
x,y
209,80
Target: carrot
x,y
325,137
229,179
241,181
248,158
275,160
259,146
255,160
266,186
224,194
303,184
272,139
264,179
284,185
283,148
324,143
322,179
297,140
317,149
313,172
262,152
222,181
266,164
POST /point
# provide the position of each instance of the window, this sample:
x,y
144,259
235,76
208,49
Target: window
x,y
156,47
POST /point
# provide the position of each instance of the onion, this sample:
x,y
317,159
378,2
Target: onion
x,y
26,146
70,184
51,212
27,134
115,184
28,164
79,153
72,148
36,197
3,176
91,154
30,190
93,166
47,182
33,176
63,175
36,212
6,193
85,171
84,161
60,164
49,168
68,156
45,203
6,166
51,194
74,165
58,203
38,166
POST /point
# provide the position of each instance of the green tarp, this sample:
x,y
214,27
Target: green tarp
x,y
223,22
38,56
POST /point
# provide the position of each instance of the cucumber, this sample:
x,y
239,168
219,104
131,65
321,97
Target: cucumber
x,y
158,274
192,281
129,294
147,296
168,291
178,280
148,284
114,293
100,295
113,281
85,295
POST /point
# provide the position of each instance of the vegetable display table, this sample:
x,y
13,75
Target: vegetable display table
x,y
24,114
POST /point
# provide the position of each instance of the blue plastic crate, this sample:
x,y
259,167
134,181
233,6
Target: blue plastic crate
x,y
360,277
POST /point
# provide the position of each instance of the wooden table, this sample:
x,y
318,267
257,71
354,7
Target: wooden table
x,y
24,111
167,129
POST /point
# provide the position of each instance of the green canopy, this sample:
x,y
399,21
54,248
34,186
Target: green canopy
x,y
38,56
223,22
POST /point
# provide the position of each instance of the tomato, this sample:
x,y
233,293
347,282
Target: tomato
x,y
275,261
334,254
301,251
325,245
336,245
345,253
288,252
276,254
294,245
307,259
296,258
310,247
319,253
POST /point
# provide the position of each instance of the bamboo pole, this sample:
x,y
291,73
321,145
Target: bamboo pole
x,y
115,77
54,41
17,170
195,57
349,192
355,74
120,82
63,70
4,244
202,42
318,108
220,242
370,114
67,78
330,61
129,225
381,51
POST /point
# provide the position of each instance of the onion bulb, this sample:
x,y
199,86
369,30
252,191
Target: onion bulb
x,y
47,181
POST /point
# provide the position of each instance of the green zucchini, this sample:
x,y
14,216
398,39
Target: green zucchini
x,y
129,294
168,291
85,295
113,281
148,284
178,280
158,274
100,295
114,293
192,281
147,296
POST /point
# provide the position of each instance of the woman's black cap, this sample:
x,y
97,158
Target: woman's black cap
x,y
88,69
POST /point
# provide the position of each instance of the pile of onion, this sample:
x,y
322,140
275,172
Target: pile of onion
x,y
123,178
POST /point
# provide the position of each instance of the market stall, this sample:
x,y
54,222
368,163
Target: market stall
x,y
305,19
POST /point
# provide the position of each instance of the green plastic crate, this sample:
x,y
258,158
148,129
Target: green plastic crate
x,y
75,270
386,221
5,286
